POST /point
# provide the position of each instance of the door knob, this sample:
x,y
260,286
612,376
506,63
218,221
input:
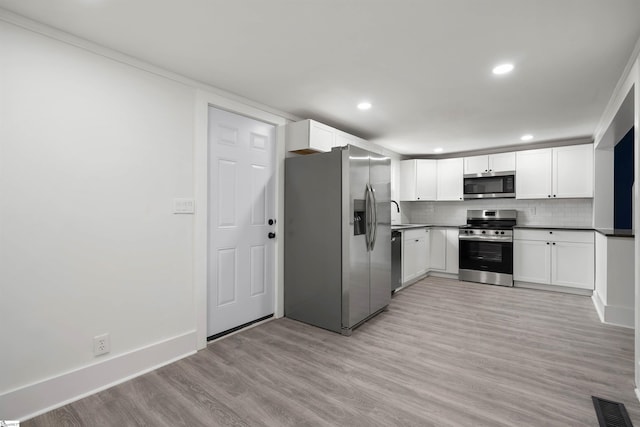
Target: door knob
x,y
272,221
271,235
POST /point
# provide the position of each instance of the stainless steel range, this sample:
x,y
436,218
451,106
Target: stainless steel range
x,y
486,247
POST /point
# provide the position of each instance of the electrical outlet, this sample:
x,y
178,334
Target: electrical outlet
x,y
101,344
184,206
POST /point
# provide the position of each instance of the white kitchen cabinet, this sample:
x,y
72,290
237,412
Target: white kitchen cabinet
x,y
532,261
424,250
502,162
342,139
561,172
476,164
572,264
418,179
309,136
534,174
438,249
573,171
450,179
452,251
444,250
415,253
554,257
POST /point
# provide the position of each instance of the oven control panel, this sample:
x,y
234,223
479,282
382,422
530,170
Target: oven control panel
x,y
485,232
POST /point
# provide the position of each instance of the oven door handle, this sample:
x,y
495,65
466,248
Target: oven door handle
x,y
486,238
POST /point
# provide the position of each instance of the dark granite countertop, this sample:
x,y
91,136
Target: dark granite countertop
x,y
408,226
615,232
556,227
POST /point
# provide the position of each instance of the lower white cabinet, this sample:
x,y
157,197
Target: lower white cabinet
x,y
554,257
438,250
429,249
452,251
415,253
532,261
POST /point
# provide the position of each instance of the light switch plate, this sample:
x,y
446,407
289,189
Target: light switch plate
x,y
183,206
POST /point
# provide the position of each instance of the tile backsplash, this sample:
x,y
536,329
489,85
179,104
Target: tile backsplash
x,y
559,212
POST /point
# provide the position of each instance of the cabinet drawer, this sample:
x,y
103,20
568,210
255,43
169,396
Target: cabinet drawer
x,y
414,233
519,234
573,236
554,235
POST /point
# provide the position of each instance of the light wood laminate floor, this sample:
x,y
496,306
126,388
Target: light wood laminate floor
x,y
446,353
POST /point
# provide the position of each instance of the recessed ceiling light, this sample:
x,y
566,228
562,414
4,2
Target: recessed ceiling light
x,y
438,150
364,105
527,137
502,69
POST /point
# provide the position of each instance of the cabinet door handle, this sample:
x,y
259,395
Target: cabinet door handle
x,y
547,243
554,195
554,243
548,195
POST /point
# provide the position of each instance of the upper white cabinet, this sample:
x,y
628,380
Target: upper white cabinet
x,y
309,136
418,179
342,139
450,179
533,174
573,171
502,162
562,172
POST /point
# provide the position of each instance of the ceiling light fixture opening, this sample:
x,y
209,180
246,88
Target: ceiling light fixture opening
x,y
364,105
502,69
438,150
527,137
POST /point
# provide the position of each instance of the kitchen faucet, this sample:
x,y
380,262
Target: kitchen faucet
x,y
397,205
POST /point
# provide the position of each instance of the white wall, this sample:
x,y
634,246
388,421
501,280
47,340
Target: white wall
x,y
629,81
92,152
614,280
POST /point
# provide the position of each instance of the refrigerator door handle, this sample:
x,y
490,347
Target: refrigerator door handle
x,y
374,210
367,213
370,218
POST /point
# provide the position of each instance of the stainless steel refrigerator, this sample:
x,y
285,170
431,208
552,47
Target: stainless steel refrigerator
x,y
337,246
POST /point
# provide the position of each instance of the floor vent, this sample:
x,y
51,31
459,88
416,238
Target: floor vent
x,y
611,414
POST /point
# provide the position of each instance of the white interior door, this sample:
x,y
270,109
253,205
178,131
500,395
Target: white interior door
x,y
241,269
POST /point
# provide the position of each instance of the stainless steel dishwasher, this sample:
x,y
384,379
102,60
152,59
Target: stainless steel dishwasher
x,y
396,260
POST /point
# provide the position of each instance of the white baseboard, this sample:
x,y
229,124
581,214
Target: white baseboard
x,y
443,275
553,288
612,314
37,398
598,304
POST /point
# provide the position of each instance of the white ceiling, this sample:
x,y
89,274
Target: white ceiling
x,y
425,65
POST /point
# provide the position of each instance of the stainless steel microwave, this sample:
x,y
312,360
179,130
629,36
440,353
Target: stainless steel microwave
x,y
490,185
